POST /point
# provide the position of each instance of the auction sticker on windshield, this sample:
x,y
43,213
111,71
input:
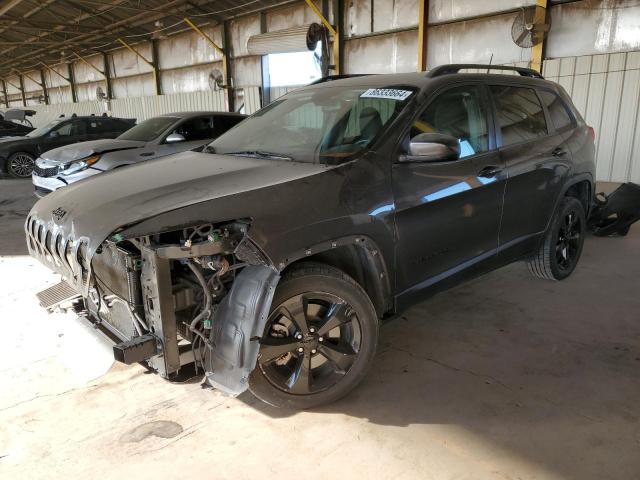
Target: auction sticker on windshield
x,y
390,93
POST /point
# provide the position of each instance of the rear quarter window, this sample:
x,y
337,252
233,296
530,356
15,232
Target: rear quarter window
x,y
558,110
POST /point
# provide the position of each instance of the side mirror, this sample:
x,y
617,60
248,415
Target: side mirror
x,y
53,134
432,147
175,138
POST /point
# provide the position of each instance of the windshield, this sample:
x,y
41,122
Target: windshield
x,y
325,125
44,129
149,129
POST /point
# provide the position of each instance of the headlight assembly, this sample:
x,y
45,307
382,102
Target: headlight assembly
x,y
78,165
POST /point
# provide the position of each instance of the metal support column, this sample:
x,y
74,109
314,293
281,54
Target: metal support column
x,y
335,30
155,59
107,75
43,84
423,26
4,92
226,65
24,98
72,82
537,52
264,63
224,51
151,63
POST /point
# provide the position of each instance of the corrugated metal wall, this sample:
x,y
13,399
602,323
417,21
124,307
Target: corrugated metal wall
x,y
140,108
606,90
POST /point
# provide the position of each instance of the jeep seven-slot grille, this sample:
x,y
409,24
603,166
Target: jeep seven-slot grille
x,y
45,172
60,254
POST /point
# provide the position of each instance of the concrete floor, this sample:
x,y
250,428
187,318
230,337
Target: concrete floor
x,y
506,377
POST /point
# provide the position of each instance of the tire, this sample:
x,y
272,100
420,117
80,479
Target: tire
x,y
338,336
20,165
561,248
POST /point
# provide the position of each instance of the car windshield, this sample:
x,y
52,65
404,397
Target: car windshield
x,y
323,125
44,129
149,129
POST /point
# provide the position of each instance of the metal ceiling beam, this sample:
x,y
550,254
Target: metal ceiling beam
x,y
168,13
37,82
41,6
88,63
79,18
133,21
9,5
14,22
12,84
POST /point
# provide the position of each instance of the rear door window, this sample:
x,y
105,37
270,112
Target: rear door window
x,y
72,128
558,110
520,114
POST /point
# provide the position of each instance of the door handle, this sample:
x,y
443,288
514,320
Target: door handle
x,y
559,152
147,154
489,171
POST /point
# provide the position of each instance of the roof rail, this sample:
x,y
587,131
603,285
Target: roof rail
x,y
456,67
330,78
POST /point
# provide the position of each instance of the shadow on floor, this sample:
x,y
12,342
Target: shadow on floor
x,y
16,199
548,371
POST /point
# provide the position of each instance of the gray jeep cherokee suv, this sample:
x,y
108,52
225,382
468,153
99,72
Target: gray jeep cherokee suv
x,y
269,259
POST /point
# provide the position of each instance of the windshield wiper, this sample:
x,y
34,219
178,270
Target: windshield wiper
x,y
261,154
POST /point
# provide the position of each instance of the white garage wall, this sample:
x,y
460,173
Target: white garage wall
x,y
139,108
606,90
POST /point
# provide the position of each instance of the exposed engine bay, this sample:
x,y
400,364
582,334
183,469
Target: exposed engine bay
x,y
196,295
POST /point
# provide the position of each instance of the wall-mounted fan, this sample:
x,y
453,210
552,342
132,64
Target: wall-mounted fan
x,y
100,95
216,80
529,29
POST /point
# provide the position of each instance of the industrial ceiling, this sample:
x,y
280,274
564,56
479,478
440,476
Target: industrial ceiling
x,y
33,32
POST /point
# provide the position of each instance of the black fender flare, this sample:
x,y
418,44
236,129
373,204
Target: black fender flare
x,y
376,278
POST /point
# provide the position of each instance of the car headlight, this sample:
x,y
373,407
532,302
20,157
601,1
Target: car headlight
x,y
78,165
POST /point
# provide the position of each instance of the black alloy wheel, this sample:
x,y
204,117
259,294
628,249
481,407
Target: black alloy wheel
x,y
318,341
312,341
561,247
20,165
569,240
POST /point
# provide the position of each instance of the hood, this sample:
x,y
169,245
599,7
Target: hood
x,y
12,139
90,210
81,150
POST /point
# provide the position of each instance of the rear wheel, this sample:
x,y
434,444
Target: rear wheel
x,y
560,251
20,165
319,340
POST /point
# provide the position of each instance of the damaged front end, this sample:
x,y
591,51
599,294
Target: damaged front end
x,y
199,295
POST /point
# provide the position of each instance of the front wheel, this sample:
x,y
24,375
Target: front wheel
x,y
319,340
561,248
20,165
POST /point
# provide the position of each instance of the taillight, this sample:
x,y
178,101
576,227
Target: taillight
x,y
592,133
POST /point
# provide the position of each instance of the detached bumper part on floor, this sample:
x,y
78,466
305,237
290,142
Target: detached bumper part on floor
x,y
60,294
